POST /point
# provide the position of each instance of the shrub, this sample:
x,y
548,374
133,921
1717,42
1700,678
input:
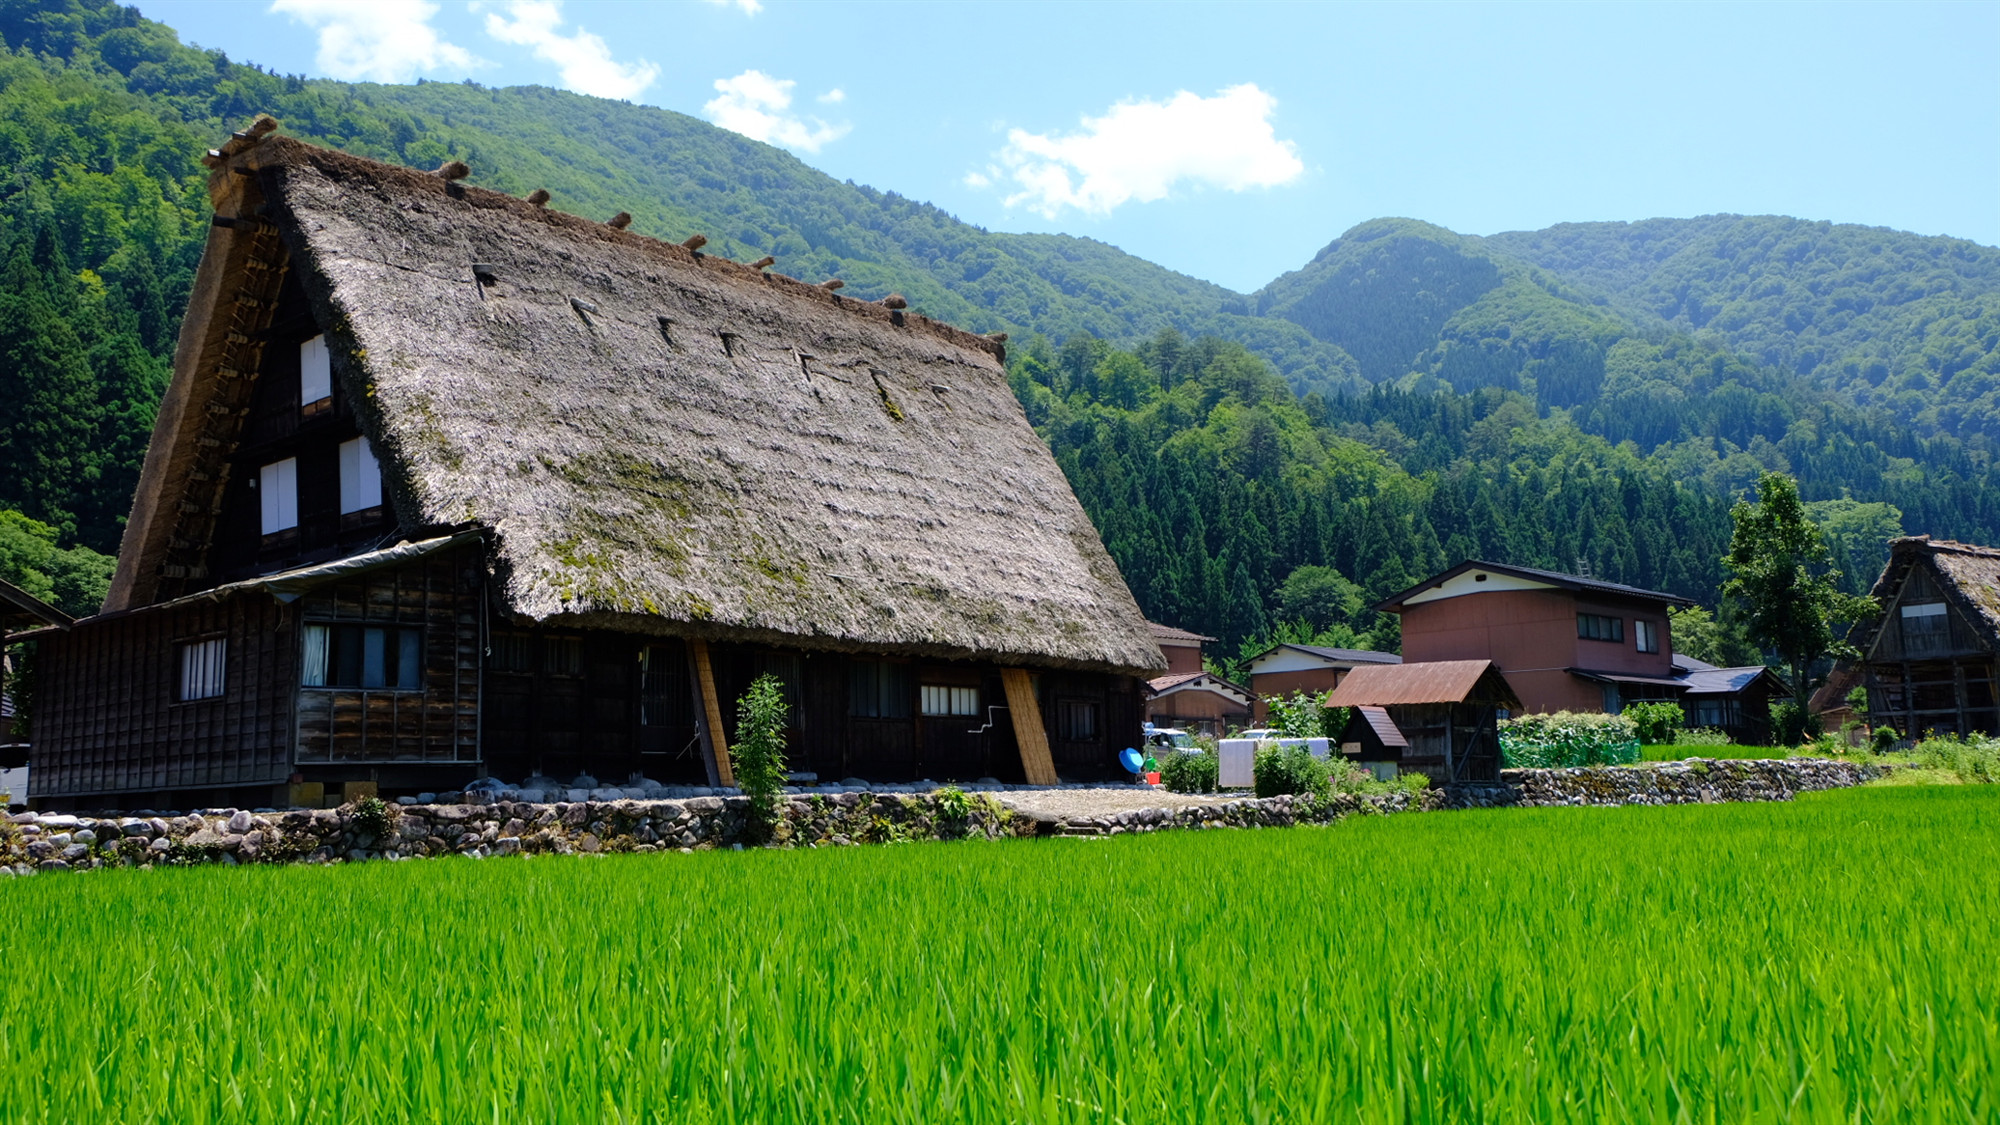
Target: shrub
x,y
1793,725
1568,738
373,816
1277,770
1976,760
760,750
1300,715
1191,773
1702,736
1656,722
1884,739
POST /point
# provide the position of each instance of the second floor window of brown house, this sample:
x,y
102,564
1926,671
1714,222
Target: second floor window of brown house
x,y
1592,627
1646,635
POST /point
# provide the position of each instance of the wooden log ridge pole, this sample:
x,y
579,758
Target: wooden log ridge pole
x,y
1028,731
713,738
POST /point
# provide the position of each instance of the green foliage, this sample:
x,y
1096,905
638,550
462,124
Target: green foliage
x,y
1276,770
1568,738
73,580
1781,570
1302,715
1823,917
954,805
1701,634
1701,736
374,816
1656,722
759,750
1793,725
1975,759
1191,773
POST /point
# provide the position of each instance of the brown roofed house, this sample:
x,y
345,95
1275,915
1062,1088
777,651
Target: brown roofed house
x,y
1283,669
1929,661
1188,697
1439,718
449,484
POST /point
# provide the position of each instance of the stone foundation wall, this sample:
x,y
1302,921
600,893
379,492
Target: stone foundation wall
x,y
483,827
1695,781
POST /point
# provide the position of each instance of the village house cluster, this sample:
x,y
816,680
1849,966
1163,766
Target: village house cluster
x,y
451,485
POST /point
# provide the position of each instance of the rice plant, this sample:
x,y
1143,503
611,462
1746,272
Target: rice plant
x,y
1824,960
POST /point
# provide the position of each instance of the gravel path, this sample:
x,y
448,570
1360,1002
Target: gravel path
x,y
1069,803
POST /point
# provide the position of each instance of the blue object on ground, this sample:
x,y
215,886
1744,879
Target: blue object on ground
x,y
1130,759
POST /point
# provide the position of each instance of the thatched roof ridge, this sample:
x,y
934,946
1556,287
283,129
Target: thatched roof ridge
x,y
665,442
390,181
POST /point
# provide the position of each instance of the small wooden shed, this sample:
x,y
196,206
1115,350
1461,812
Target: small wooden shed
x,y
1447,712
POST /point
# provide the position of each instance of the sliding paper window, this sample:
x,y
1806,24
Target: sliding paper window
x,y
360,477
383,657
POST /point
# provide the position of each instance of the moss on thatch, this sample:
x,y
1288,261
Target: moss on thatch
x,y
667,442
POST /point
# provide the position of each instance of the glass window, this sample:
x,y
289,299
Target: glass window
x,y
562,656
665,693
278,487
1647,635
1593,627
360,477
1926,627
878,689
1076,720
944,699
202,669
315,377
371,657
510,652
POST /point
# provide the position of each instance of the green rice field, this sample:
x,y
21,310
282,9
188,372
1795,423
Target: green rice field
x,y
1833,959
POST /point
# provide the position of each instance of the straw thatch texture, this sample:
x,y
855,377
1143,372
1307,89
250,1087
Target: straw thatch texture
x,y
663,441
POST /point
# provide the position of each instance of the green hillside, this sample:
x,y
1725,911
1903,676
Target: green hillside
x,y
1901,321
1592,395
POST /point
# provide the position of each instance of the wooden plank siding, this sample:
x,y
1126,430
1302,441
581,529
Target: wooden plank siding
x,y
109,720
438,724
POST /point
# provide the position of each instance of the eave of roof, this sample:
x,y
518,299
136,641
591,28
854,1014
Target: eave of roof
x,y
1571,582
21,610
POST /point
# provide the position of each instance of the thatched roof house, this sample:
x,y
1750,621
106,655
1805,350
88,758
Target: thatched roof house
x,y
648,441
1929,661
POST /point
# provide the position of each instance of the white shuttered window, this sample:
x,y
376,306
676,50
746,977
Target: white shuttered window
x,y
278,488
315,372
360,477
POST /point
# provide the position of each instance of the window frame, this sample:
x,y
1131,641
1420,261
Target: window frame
x,y
1586,621
360,476
1067,709
951,699
278,496
1646,635
217,666
407,639
315,374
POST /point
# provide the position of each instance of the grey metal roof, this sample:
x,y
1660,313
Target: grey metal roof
x,y
1393,603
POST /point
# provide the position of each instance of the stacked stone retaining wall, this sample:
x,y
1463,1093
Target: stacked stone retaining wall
x,y
32,842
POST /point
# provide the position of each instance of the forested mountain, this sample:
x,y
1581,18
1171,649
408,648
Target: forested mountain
x,y
1590,395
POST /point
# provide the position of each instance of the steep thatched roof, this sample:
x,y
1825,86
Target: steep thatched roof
x,y
1968,575
663,441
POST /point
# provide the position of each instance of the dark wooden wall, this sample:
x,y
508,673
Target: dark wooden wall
x,y
439,593
108,721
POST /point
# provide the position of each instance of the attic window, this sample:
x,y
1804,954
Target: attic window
x,y
278,490
315,378
360,477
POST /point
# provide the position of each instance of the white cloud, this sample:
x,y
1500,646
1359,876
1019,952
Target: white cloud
x,y
754,104
749,7
583,59
978,180
833,97
1142,149
377,40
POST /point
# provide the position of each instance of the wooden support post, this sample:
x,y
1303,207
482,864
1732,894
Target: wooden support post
x,y
713,739
1028,730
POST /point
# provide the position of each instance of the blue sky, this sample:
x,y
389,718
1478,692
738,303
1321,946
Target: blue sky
x,y
1232,141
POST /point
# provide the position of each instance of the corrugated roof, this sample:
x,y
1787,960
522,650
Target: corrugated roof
x,y
1169,633
1725,681
1437,681
1628,678
1384,727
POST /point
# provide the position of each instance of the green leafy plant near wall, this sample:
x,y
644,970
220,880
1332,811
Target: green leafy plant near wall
x,y
760,751
1568,738
1656,722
